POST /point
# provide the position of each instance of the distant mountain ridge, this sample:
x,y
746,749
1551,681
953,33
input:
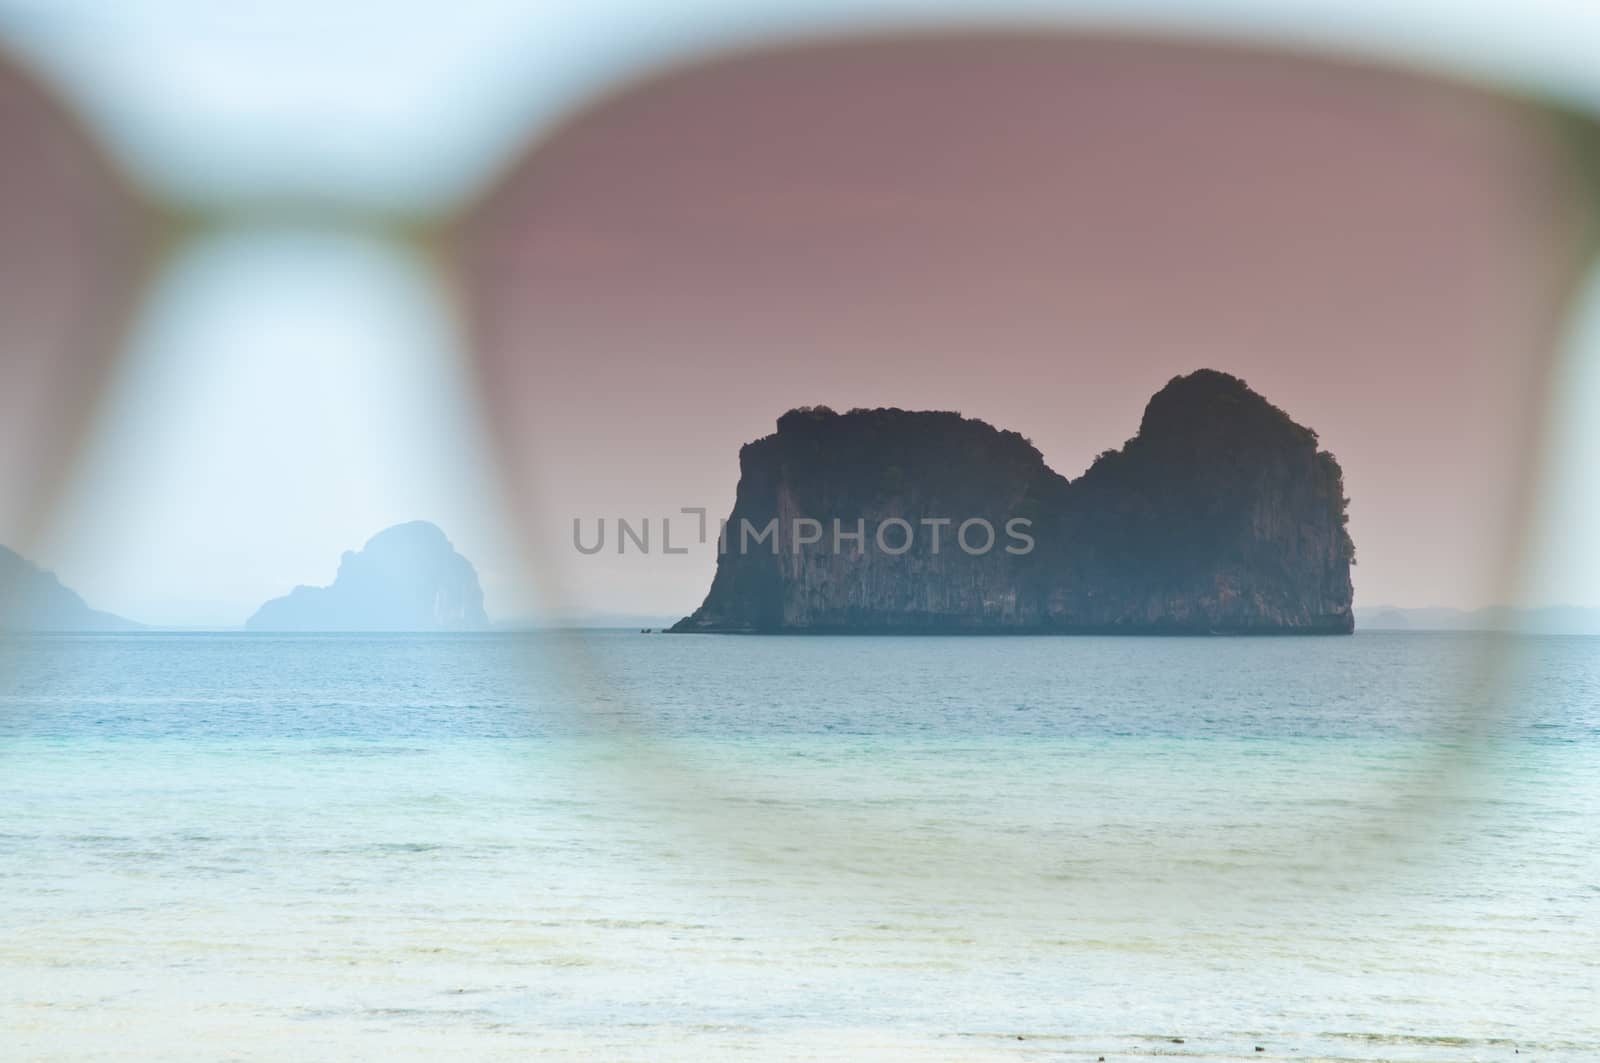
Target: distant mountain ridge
x,y
406,578
33,599
1545,620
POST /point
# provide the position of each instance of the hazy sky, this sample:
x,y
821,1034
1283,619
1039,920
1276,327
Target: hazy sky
x,y
285,397
662,296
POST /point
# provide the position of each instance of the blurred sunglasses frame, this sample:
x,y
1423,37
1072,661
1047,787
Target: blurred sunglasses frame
x,y
158,231
154,230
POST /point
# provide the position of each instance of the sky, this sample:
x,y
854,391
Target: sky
x,y
660,277
285,396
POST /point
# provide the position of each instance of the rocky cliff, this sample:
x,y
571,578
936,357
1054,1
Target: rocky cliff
x,y
32,599
407,578
1220,516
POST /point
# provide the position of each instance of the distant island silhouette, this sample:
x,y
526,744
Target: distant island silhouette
x,y
407,578
32,599
1221,515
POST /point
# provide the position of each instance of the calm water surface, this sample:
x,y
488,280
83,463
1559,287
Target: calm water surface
x,y
615,846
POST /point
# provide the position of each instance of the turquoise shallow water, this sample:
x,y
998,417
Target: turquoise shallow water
x,y
614,846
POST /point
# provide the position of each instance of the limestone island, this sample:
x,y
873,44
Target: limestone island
x,y
407,578
1221,516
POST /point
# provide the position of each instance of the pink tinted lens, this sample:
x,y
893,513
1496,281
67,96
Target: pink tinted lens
x,y
1039,232
66,271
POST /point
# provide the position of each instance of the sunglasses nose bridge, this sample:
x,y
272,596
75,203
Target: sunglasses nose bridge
x,y
177,222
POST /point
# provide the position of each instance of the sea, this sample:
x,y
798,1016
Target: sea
x,y
611,845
